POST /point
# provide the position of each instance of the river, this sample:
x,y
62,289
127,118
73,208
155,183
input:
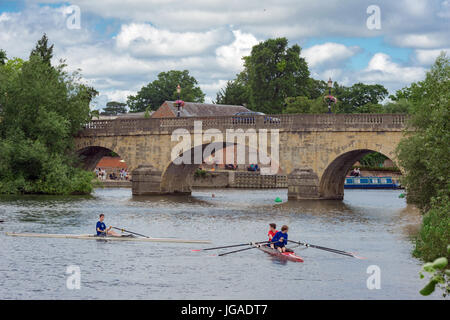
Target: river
x,y
377,224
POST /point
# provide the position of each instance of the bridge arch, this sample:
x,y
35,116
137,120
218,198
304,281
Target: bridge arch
x,y
91,155
178,178
331,184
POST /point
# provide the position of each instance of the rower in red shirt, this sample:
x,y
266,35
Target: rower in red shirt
x,y
272,231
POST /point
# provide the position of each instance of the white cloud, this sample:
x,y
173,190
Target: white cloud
x,y
4,17
427,57
160,35
381,69
422,40
444,11
328,53
148,41
230,56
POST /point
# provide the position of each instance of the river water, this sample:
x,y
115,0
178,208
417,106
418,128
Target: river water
x,y
377,224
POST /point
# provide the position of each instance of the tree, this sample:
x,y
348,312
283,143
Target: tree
x,y
424,154
374,159
298,105
316,88
275,72
401,105
114,108
234,93
3,57
43,107
43,50
165,88
359,98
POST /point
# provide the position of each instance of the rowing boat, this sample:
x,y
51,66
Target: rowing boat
x,y
291,256
94,237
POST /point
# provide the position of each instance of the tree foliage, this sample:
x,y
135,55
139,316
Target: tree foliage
x,y
234,93
425,156
3,57
274,72
165,88
114,108
276,80
43,50
42,107
302,104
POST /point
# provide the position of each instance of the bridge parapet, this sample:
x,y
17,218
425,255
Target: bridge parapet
x,y
284,122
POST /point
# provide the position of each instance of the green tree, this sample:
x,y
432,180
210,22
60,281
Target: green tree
x,y
234,93
43,50
114,108
360,98
43,107
401,105
303,104
165,88
316,88
3,57
424,154
275,72
373,159
298,105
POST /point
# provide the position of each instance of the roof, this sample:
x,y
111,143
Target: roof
x,y
134,115
194,109
123,116
111,162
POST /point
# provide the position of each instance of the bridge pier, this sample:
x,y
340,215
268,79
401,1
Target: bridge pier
x,y
303,184
146,180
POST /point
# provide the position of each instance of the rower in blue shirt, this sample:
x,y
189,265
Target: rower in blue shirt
x,y
280,239
102,230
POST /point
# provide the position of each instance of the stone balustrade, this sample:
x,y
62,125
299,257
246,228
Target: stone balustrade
x,y
284,122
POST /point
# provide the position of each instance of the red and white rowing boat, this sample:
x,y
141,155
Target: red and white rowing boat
x,y
291,256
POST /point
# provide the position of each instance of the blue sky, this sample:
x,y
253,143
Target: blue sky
x,y
122,45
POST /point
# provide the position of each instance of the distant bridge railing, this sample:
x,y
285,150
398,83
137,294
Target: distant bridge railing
x,y
284,122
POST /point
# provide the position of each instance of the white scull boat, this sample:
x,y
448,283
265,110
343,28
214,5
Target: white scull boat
x,y
94,237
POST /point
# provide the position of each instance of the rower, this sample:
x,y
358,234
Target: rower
x,y
101,228
279,240
272,231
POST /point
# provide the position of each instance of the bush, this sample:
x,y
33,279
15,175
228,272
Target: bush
x,y
434,235
199,173
439,276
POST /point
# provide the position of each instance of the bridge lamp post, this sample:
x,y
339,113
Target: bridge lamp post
x,y
330,85
329,98
178,101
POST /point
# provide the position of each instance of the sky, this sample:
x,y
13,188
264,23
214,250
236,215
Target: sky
x,y
122,45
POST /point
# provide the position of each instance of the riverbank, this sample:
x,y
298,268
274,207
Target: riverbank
x,y
241,179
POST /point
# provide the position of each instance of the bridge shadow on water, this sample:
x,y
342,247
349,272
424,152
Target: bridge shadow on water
x,y
178,198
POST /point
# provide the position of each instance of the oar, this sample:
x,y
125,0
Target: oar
x,y
231,246
223,254
138,234
345,253
253,247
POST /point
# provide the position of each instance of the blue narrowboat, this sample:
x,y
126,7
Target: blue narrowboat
x,y
370,183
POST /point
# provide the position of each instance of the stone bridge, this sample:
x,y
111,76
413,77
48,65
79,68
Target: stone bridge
x,y
315,151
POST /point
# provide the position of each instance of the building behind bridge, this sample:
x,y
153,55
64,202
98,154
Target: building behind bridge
x,y
169,109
